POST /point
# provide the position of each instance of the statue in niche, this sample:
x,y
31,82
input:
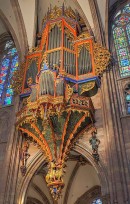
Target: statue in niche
x,y
24,155
94,141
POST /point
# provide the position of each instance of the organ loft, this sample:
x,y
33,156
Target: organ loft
x,y
64,102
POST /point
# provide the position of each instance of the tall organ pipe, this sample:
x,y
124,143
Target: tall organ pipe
x,y
71,63
79,62
88,62
84,61
51,33
49,40
58,38
52,38
55,37
74,64
65,60
51,60
65,40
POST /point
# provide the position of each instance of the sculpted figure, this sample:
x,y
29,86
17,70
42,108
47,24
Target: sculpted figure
x,y
94,141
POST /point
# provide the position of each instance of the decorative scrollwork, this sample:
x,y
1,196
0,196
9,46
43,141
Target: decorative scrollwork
x,y
52,25
69,92
84,35
86,45
55,13
101,58
69,34
69,13
33,49
17,79
87,86
30,61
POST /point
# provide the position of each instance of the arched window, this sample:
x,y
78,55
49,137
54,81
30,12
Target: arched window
x,y
8,65
97,201
121,36
127,97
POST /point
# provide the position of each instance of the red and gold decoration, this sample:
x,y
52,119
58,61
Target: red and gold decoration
x,y
59,77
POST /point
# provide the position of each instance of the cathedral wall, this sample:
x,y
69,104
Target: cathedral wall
x,y
9,145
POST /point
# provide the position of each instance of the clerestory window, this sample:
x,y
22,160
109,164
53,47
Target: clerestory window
x,y
8,65
121,36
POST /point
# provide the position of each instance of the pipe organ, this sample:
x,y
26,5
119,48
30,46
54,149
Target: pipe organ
x,y
65,51
54,81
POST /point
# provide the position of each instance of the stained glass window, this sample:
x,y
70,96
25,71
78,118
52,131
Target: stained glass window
x,y
121,35
97,201
127,97
8,65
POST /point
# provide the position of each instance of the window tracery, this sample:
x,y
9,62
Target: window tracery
x,y
8,65
121,35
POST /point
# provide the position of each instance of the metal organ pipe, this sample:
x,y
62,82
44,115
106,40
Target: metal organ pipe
x,y
55,37
51,60
88,62
70,67
74,64
48,59
49,40
68,62
64,61
85,61
55,58
79,63
48,83
58,37
51,88
83,58
65,40
52,36
90,65
51,33
71,63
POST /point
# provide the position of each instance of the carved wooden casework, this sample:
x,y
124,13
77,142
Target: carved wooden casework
x,y
54,82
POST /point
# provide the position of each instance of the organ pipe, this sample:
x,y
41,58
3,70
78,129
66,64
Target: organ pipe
x,y
69,58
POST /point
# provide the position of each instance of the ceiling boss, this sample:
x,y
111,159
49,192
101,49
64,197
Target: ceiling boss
x,y
60,76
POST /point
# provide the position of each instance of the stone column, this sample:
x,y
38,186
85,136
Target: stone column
x,y
9,153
